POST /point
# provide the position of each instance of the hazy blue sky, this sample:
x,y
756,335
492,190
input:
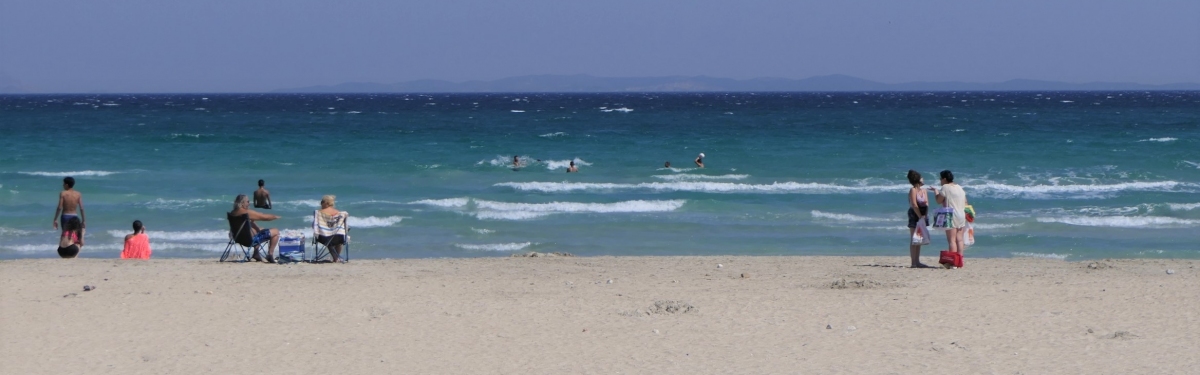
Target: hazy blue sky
x,y
247,45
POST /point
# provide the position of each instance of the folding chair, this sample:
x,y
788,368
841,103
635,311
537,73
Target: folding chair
x,y
240,235
330,227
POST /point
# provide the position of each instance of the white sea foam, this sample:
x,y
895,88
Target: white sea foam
x,y
493,210
984,226
510,215
553,135
1192,163
448,202
1183,206
518,111
300,203
74,173
175,204
573,207
201,235
494,246
1122,221
1163,139
840,217
17,232
373,221
678,170
563,164
685,177
707,187
482,230
1040,191
1040,255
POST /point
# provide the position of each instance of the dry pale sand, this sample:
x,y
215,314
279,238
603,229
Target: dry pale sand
x,y
818,315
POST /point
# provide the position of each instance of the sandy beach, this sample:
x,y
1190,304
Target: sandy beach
x,y
752,315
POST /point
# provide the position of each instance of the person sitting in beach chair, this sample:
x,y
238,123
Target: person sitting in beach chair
x,y
330,231
244,232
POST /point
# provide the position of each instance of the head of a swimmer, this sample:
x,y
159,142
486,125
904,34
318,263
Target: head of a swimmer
x,y
69,182
667,165
261,183
328,201
914,177
947,176
137,226
572,163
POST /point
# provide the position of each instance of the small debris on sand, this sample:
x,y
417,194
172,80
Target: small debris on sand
x,y
745,276
88,288
671,307
854,284
1170,272
1121,335
719,265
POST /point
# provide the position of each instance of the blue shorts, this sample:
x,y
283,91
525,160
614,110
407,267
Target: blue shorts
x,y
262,236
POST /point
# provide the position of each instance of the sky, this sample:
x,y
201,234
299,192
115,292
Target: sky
x,y
249,45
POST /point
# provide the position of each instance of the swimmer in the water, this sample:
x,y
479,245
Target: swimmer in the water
x,y
516,162
700,160
667,165
572,168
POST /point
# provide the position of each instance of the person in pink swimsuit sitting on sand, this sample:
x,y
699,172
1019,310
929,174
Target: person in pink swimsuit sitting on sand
x,y
137,245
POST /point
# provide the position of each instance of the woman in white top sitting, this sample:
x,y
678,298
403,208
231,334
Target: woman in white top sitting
x,y
329,225
956,199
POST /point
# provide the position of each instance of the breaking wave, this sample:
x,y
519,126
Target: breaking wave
x,y
494,246
706,187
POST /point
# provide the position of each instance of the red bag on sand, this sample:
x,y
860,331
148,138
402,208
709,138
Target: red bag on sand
x,y
946,257
953,259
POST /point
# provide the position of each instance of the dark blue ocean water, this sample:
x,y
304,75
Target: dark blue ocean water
x,y
1053,174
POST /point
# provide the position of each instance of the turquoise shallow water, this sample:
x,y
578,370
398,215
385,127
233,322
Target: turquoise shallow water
x,y
1056,175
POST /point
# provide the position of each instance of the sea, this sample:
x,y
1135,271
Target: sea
x,y
1055,175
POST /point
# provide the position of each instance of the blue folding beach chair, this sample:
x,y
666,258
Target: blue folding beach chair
x,y
242,236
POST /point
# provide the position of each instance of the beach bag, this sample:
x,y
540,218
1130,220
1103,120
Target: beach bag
x,y
969,235
970,212
951,258
943,218
291,248
920,236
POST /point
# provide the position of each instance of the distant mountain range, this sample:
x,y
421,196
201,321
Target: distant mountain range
x,y
585,83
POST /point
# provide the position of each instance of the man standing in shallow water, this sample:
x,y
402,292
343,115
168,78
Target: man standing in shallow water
x,y
262,197
69,201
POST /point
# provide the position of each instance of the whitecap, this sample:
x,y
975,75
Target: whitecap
x,y
300,203
553,135
1183,206
201,235
1040,255
482,230
1122,221
1041,191
574,207
1163,139
841,217
517,111
448,202
682,177
372,221
494,246
175,204
706,187
564,164
510,215
88,173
